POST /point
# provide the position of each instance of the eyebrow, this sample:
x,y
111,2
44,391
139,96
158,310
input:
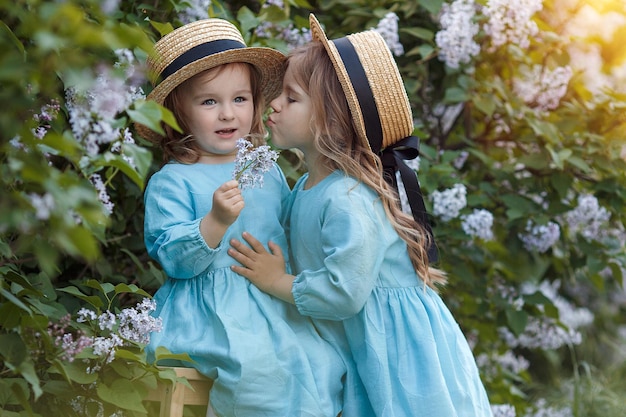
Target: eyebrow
x,y
199,93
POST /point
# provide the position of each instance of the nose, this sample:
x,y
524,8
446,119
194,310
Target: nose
x,y
226,112
275,104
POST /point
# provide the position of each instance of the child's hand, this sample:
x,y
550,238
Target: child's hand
x,y
227,203
264,269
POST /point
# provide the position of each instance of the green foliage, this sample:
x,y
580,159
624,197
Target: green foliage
x,y
63,247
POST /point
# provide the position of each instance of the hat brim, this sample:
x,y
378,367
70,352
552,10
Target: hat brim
x,y
268,62
318,34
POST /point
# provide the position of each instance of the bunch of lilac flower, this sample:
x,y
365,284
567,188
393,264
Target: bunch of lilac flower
x,y
252,163
511,22
540,237
448,204
290,34
542,88
478,224
197,9
545,332
70,344
131,325
456,38
588,218
503,410
388,29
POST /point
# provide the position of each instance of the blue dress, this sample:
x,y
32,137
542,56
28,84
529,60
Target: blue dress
x,y
250,344
355,279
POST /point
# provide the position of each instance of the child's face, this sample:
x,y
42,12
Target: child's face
x,y
219,109
290,122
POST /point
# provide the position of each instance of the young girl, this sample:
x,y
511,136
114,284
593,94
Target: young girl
x,y
250,344
362,265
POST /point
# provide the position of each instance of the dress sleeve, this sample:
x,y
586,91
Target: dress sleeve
x,y
352,250
172,228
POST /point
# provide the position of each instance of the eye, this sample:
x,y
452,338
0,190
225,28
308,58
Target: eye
x,y
290,100
240,99
209,102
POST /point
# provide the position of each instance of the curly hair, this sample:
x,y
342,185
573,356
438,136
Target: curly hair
x,y
181,146
341,149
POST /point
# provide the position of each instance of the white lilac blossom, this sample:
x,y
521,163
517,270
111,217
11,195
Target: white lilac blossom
x,y
503,410
43,205
542,409
511,22
541,333
494,364
103,196
136,324
46,115
197,9
109,6
571,316
540,237
448,204
456,39
70,344
545,332
107,320
84,315
105,347
290,34
478,224
388,29
92,113
252,163
460,160
588,218
543,89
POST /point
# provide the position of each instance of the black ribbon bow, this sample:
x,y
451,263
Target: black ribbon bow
x,y
393,158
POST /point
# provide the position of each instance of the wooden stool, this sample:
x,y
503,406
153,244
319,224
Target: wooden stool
x,y
174,398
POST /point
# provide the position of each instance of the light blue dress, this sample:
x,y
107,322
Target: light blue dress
x,y
251,344
355,278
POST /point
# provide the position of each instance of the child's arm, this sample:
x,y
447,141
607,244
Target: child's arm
x,y
227,205
264,269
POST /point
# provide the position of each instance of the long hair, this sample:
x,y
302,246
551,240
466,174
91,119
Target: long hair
x,y
181,146
341,149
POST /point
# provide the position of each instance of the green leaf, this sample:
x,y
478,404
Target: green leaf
x,y
485,104
420,33
12,349
75,371
248,21
14,300
516,320
130,288
91,299
162,353
123,394
433,6
455,95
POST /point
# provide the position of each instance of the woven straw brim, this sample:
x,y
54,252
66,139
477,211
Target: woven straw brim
x,y
268,62
385,82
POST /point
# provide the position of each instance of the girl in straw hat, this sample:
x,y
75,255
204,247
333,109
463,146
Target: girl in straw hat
x,y
250,344
362,265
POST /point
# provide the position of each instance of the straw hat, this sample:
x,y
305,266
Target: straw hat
x,y
203,45
372,84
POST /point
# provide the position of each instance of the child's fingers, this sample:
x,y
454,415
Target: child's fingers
x,y
239,250
253,242
276,250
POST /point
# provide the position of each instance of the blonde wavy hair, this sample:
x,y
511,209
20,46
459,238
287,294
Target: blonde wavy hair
x,y
182,146
337,141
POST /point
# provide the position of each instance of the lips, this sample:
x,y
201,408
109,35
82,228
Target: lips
x,y
225,131
270,122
